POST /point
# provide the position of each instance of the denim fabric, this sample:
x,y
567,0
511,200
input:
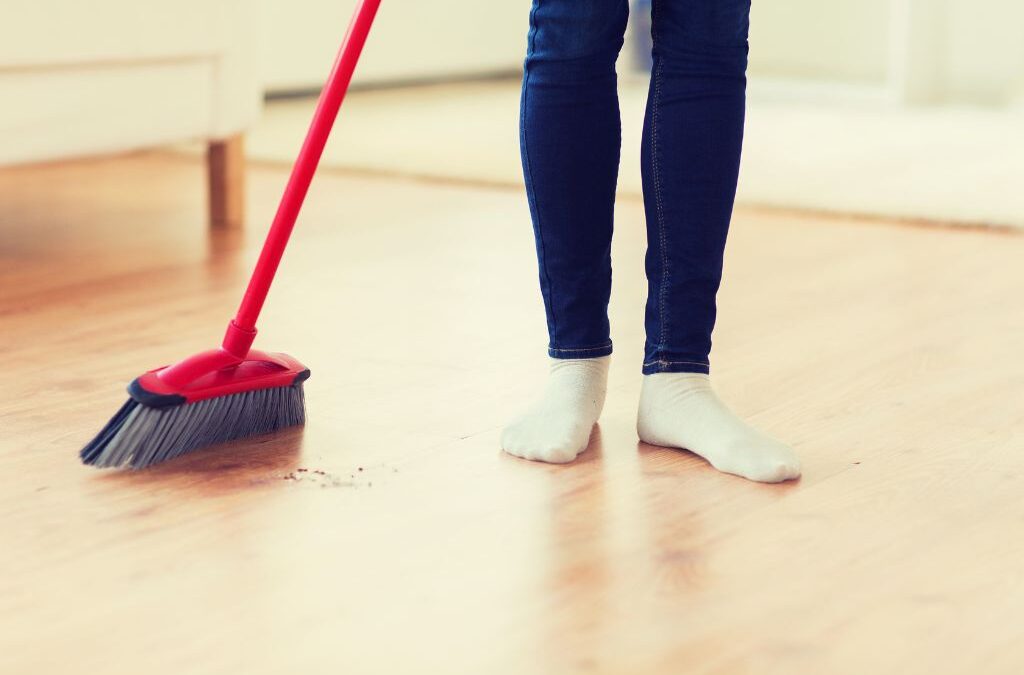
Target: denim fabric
x,y
570,137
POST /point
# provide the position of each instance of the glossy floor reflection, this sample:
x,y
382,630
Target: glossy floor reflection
x,y
390,535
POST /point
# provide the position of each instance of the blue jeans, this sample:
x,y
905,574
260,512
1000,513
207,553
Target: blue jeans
x,y
570,137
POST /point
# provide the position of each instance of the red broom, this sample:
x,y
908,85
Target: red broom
x,y
233,391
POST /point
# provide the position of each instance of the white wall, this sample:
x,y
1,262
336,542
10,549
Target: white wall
x,y
902,50
983,50
820,39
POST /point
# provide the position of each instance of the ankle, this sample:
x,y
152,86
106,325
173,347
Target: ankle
x,y
594,367
660,389
579,377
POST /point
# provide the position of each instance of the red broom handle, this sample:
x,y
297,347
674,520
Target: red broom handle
x,y
243,329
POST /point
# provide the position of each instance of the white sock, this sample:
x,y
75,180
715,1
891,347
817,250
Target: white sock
x,y
557,428
681,410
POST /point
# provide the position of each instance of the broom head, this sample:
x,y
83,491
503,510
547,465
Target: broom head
x,y
208,398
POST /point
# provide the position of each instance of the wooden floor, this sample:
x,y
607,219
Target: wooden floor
x,y
390,535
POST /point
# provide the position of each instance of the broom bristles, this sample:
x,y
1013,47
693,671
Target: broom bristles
x,y
138,435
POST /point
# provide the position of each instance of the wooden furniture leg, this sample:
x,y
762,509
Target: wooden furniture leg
x,y
225,162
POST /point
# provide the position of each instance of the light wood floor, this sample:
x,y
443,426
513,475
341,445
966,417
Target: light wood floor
x,y
391,535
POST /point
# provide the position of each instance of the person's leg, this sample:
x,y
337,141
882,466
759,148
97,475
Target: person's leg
x,y
570,137
693,133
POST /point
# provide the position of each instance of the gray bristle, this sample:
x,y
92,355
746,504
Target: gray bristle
x,y
139,436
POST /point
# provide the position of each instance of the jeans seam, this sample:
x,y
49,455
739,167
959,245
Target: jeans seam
x,y
660,362
656,174
529,168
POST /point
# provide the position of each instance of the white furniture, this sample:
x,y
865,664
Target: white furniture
x,y
410,40
86,78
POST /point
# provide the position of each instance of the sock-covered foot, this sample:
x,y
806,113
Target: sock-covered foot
x,y
557,428
681,410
